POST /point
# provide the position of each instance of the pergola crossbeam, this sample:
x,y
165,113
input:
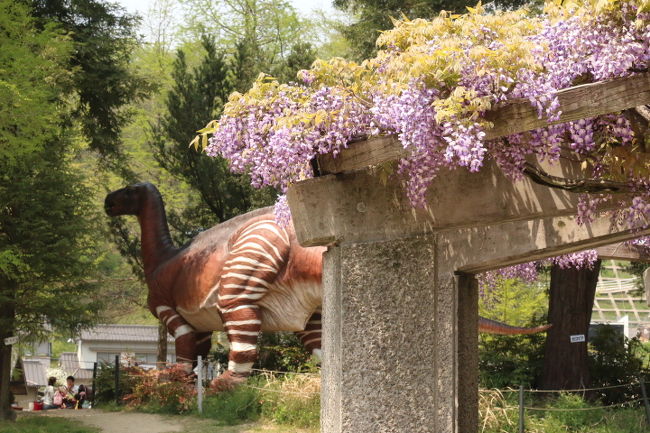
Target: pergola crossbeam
x,y
578,102
623,251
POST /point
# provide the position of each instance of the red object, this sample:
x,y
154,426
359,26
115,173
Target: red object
x,y
38,405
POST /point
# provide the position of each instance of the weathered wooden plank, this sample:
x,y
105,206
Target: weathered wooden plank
x,y
587,100
480,249
361,154
623,251
359,207
578,102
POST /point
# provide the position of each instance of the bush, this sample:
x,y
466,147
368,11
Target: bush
x,y
615,360
510,361
105,382
280,351
170,390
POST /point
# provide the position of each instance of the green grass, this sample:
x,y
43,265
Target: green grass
x,y
564,415
234,407
44,424
291,402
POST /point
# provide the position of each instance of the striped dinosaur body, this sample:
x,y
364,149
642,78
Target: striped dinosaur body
x,y
243,276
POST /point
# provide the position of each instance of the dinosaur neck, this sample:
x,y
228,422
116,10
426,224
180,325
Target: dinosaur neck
x,y
156,243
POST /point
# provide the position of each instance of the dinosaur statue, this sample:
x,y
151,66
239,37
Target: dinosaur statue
x,y
245,275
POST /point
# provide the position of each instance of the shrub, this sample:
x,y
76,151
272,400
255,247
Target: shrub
x,y
163,391
281,351
615,360
105,382
509,361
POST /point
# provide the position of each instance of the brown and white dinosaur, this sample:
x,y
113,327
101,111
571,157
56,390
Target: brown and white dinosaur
x,y
243,276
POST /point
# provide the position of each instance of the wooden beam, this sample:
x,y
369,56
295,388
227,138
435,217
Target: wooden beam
x,y
360,207
361,154
624,251
579,102
480,249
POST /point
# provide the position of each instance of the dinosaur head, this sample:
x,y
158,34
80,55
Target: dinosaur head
x,y
127,201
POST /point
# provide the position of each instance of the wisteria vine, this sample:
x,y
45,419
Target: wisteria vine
x,y
431,84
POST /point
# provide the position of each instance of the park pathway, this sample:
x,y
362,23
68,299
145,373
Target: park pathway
x,y
137,422
122,422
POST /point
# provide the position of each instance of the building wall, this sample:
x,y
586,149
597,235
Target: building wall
x,y
88,350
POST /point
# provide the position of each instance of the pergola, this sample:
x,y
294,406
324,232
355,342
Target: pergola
x,y
400,300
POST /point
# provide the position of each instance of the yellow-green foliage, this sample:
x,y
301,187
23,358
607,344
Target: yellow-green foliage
x,y
432,53
436,52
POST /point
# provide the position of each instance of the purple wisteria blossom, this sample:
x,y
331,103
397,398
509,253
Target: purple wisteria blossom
x,y
438,116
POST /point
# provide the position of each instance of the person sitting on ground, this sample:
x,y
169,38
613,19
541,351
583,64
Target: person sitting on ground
x,y
50,394
71,391
81,396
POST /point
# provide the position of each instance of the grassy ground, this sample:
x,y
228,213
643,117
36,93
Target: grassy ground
x,y
44,425
197,425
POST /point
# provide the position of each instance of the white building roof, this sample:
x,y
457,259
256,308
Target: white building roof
x,y
117,333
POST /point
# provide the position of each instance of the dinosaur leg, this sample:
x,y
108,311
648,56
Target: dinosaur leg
x,y
184,335
203,343
258,254
310,337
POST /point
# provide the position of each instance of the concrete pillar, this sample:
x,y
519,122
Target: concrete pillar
x,y
467,354
391,341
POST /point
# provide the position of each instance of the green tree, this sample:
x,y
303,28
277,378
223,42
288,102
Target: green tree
x,y
47,252
301,56
512,360
104,37
375,16
197,95
262,34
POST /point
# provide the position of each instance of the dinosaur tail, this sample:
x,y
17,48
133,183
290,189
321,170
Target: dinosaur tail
x,y
494,327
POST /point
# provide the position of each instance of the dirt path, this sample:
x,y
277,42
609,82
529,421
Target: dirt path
x,y
136,422
120,422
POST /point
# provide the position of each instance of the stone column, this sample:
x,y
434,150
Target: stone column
x,y
390,340
467,354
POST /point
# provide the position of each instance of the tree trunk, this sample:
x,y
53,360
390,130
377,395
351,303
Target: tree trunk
x,y
7,318
571,302
162,345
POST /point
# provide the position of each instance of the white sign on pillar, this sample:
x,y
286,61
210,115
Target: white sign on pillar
x,y
11,340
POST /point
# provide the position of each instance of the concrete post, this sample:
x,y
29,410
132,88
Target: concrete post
x,y
467,354
390,340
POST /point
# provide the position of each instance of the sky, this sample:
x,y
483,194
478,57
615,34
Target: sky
x,y
303,6
142,7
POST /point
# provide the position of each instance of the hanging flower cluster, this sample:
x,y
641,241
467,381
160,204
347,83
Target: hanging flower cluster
x,y
432,83
529,272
